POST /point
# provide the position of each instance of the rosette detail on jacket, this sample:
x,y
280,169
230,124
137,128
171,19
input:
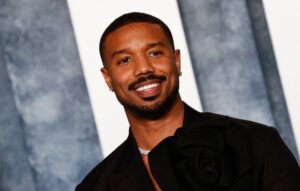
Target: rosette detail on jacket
x,y
209,155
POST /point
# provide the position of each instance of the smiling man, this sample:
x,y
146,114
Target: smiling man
x,y
170,145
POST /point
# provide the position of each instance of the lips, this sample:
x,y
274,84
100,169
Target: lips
x,y
146,80
147,87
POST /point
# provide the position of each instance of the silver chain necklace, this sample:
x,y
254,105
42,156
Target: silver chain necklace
x,y
144,151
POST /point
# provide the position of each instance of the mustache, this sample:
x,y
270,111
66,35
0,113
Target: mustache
x,y
146,78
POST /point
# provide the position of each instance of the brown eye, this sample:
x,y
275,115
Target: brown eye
x,y
124,60
155,53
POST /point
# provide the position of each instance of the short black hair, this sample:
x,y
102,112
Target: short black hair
x,y
129,18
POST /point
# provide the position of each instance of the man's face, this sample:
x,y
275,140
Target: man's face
x,y
141,68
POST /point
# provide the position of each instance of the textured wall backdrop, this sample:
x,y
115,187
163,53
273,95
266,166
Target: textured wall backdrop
x,y
48,137
234,62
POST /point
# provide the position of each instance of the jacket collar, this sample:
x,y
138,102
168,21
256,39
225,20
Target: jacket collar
x,y
130,172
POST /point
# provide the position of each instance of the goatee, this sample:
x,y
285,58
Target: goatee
x,y
154,111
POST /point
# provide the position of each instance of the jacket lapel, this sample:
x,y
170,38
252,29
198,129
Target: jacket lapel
x,y
130,172
191,116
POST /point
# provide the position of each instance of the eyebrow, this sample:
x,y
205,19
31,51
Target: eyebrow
x,y
119,52
149,45
158,43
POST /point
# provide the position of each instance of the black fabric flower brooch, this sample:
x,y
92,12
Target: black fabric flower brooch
x,y
208,155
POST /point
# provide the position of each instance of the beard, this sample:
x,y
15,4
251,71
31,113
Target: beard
x,y
154,111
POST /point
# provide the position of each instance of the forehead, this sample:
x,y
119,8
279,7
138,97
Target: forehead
x,y
134,34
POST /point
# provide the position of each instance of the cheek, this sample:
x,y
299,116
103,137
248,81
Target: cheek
x,y
166,65
120,80
172,70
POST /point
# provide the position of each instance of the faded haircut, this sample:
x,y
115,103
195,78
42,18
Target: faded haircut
x,y
129,18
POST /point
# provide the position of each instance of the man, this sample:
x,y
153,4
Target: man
x,y
171,146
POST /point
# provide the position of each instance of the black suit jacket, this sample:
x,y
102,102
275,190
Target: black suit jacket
x,y
269,165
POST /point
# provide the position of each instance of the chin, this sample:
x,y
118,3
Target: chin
x,y
151,107
154,109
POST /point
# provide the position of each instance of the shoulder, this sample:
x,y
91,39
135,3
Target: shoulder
x,y
253,129
100,174
265,142
259,136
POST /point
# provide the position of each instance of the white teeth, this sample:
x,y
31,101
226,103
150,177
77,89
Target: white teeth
x,y
146,87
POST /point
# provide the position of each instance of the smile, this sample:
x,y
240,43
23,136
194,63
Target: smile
x,y
148,91
147,87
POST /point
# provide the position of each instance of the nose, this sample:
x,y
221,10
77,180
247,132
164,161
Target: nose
x,y
142,66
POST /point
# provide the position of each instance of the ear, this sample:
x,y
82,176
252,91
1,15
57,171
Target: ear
x,y
177,60
107,78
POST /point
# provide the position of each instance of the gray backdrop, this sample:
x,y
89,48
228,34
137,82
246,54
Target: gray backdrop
x,y
234,63
48,139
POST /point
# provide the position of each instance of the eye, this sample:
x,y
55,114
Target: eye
x,y
155,53
124,60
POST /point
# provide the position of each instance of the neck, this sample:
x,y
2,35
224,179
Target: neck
x,y
149,132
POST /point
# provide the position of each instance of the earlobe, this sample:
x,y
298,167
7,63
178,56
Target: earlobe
x,y
107,78
177,60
